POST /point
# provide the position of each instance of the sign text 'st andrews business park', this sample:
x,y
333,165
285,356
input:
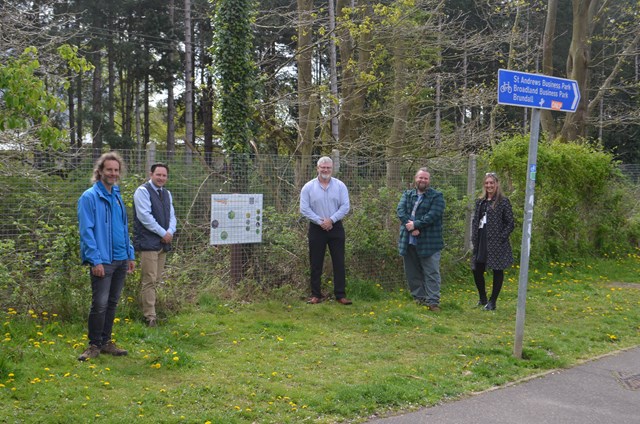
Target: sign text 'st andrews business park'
x,y
537,91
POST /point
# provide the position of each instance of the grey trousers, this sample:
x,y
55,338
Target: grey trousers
x,y
423,276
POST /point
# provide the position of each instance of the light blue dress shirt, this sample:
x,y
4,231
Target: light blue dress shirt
x,y
142,202
317,202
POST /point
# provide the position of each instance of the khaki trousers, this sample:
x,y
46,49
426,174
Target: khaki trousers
x,y
152,266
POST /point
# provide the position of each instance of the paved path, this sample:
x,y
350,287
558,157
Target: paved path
x,y
602,391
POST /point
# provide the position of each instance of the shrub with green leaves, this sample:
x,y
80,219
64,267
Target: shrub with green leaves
x,y
582,204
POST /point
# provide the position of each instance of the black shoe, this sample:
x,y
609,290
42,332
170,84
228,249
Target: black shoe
x,y
481,303
490,306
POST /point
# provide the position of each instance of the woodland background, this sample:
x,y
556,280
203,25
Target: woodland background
x,y
242,96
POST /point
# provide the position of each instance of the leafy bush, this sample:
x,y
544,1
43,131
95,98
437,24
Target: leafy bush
x,y
582,204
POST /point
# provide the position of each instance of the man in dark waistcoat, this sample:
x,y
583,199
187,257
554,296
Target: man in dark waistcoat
x,y
154,225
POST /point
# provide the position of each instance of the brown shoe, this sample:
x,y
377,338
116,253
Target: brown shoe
x,y
111,348
344,301
91,352
314,300
434,308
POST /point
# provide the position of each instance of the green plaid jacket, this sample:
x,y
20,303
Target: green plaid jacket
x,y
428,221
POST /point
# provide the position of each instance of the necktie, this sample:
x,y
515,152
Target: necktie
x,y
160,193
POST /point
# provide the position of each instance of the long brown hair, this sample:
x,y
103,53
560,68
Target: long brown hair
x,y
498,195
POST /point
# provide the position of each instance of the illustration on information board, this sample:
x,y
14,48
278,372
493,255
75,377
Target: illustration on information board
x,y
236,218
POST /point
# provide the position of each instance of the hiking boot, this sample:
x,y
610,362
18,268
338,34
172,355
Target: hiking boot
x,y
111,348
434,308
92,351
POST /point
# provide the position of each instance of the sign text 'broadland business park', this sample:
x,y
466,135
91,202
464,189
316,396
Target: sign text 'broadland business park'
x,y
537,91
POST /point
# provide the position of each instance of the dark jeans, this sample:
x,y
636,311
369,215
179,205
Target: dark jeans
x,y
106,293
319,239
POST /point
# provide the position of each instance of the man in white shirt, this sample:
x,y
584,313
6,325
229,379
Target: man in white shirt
x,y
153,227
324,201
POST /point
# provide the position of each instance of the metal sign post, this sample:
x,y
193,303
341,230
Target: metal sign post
x,y
527,224
538,92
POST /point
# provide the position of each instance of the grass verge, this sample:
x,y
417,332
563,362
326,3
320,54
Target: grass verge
x,y
289,362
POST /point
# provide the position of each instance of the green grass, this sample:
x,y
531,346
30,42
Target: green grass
x,y
279,362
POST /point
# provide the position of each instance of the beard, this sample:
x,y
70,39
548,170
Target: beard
x,y
422,186
325,176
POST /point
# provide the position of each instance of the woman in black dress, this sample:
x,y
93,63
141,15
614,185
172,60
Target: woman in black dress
x,y
491,226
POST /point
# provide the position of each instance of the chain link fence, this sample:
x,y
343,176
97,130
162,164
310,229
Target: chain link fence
x,y
38,223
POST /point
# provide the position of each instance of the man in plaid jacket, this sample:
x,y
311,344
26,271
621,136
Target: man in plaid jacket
x,y
420,212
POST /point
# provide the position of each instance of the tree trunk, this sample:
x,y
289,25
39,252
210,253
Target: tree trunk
x,y
147,131
207,108
306,122
70,100
171,107
548,123
96,121
352,97
578,68
188,73
400,114
510,58
80,116
333,72
111,110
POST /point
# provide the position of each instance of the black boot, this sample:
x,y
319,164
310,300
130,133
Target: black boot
x,y
490,306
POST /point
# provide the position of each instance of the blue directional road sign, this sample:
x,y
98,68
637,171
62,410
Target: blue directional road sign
x,y
537,91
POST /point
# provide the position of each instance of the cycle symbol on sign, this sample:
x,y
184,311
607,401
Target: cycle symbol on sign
x,y
506,87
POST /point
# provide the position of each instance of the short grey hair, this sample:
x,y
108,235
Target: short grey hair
x,y
325,159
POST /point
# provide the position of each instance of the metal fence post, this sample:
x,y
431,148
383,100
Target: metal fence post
x,y
471,189
151,156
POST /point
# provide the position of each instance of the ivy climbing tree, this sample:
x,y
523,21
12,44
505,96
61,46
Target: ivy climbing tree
x,y
232,51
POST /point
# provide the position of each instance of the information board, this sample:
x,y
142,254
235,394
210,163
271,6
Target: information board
x,y
236,218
